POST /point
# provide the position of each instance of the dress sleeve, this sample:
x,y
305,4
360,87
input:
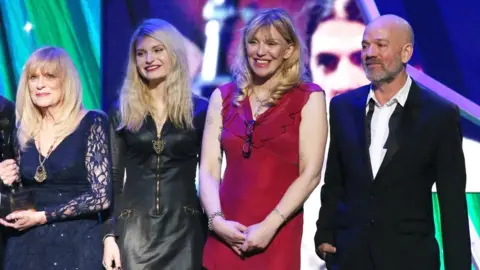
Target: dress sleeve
x,y
97,164
118,152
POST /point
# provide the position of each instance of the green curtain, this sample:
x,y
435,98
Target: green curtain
x,y
473,204
16,43
438,227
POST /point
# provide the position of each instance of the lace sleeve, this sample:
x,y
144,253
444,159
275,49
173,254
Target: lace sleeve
x,y
97,164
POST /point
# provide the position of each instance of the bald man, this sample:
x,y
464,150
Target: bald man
x,y
390,141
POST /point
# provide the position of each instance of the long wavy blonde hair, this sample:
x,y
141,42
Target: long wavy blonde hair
x,y
292,71
56,61
135,97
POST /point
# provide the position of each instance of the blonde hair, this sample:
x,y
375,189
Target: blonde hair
x,y
56,61
292,71
135,98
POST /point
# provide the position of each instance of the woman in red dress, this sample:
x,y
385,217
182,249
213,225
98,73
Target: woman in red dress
x,y
271,123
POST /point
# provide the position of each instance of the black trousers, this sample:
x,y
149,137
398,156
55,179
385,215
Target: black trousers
x,y
367,262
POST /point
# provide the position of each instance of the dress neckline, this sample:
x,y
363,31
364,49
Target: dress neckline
x,y
64,139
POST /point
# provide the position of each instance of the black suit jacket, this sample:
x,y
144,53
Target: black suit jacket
x,y
388,221
7,122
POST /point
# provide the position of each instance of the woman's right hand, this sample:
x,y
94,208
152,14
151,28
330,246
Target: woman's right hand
x,y
232,232
9,171
111,254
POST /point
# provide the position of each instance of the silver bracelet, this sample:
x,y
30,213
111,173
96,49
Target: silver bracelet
x,y
212,216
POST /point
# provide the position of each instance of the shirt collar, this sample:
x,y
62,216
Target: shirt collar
x,y
400,97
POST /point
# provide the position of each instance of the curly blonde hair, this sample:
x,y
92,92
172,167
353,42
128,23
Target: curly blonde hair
x,y
292,71
56,61
135,99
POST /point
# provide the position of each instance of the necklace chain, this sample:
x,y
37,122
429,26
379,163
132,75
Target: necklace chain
x,y
41,172
262,103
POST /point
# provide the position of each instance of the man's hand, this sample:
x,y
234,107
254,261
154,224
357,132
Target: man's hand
x,y
325,248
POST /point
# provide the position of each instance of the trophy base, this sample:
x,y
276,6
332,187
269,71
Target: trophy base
x,y
18,201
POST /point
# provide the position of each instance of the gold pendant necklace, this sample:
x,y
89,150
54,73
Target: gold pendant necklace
x,y
41,172
158,144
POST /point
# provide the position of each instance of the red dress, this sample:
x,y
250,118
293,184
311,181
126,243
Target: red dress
x,y
253,186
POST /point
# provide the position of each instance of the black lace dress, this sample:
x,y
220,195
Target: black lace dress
x,y
75,192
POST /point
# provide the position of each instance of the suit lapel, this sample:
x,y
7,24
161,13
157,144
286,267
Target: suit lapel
x,y
359,114
407,123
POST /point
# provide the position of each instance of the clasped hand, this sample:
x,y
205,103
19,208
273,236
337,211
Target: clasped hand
x,y
243,239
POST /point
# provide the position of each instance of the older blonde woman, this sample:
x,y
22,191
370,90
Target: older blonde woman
x,y
272,126
156,131
63,156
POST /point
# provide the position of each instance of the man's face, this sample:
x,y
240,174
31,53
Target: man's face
x,y
335,56
381,53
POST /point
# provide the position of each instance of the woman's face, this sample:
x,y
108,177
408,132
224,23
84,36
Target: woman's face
x,y
45,88
153,61
266,52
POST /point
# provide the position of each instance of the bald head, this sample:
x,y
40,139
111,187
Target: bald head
x,y
387,47
395,26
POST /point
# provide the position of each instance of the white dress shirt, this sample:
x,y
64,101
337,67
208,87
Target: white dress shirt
x,y
379,126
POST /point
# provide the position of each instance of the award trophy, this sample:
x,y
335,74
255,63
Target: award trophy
x,y
15,197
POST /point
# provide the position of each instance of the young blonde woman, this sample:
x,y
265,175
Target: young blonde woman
x,y
272,126
156,131
63,156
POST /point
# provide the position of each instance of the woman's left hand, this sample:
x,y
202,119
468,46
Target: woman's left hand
x,y
22,220
258,237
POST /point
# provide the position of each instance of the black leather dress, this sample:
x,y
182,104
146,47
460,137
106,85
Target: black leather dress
x,y
157,218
